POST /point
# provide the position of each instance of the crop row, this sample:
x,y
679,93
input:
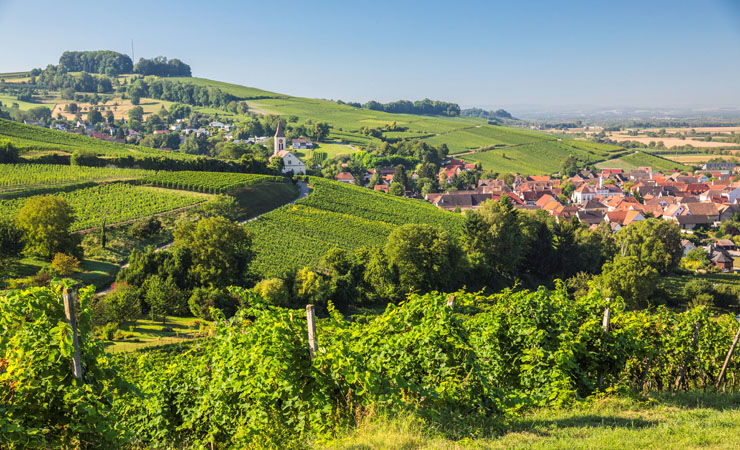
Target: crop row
x,y
335,215
208,182
115,202
17,177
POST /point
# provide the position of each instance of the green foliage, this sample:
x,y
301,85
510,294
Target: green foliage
x,y
42,405
208,182
11,242
117,202
64,265
203,299
46,222
221,250
273,291
122,305
628,277
336,215
163,297
654,242
424,257
18,178
8,152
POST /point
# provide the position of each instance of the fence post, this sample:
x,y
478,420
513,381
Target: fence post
x,y
311,321
69,311
451,301
727,359
607,316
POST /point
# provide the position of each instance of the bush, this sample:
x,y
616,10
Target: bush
x,y
64,265
123,304
108,331
274,291
145,228
203,299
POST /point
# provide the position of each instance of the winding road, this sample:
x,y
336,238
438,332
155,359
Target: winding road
x,y
303,191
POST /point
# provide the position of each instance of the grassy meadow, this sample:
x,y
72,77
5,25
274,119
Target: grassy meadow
x,y
682,420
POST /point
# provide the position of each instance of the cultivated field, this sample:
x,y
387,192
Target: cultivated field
x,y
669,142
641,159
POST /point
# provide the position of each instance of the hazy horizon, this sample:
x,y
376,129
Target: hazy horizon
x,y
626,55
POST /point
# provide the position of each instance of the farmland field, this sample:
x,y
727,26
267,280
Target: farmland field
x,y
116,202
29,137
19,177
640,159
208,182
335,215
332,150
700,158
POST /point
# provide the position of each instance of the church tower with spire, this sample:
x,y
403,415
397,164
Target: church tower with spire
x,y
279,138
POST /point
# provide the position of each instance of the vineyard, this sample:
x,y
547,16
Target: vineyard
x,y
20,177
115,202
461,368
336,215
29,137
207,182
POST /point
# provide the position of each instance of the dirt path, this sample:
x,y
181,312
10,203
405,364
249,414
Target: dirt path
x,y
302,193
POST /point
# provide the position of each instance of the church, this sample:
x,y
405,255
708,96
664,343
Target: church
x,y
290,161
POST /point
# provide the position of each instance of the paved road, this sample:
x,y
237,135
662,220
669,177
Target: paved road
x,y
302,193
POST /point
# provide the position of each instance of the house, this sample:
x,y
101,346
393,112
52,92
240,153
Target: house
x,y
719,165
381,188
291,163
301,144
721,258
687,246
345,177
703,209
726,244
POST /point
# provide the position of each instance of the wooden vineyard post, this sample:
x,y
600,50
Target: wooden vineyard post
x,y
451,301
311,321
607,316
727,358
69,311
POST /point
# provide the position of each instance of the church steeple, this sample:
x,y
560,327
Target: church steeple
x,y
279,138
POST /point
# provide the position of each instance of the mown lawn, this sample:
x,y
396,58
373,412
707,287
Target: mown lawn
x,y
147,333
681,421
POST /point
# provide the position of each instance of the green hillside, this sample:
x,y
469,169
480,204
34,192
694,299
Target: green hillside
x,y
335,215
544,153
640,159
30,137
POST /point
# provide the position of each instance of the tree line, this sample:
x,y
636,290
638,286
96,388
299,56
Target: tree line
x,y
176,91
419,107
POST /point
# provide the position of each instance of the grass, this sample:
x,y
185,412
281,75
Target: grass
x,y
639,159
332,150
8,100
684,420
148,333
98,273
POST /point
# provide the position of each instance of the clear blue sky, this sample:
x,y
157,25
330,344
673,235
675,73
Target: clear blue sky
x,y
540,52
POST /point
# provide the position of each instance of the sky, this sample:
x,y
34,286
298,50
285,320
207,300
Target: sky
x,y
490,53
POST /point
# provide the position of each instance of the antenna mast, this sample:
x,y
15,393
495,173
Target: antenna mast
x,y
132,52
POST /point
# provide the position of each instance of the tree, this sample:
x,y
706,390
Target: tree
x,y
627,277
221,250
11,243
498,241
399,176
397,189
94,116
46,222
273,291
425,257
122,305
136,113
656,243
310,287
569,167
203,299
8,152
162,296
64,265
